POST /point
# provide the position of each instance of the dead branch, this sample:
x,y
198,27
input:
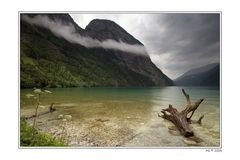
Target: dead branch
x,y
181,119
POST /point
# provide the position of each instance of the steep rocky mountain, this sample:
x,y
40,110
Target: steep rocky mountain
x,y
208,75
105,29
49,57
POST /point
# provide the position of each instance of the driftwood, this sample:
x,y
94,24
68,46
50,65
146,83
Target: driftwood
x,y
181,119
50,110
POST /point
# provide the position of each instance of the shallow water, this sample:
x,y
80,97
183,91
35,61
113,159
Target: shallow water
x,y
129,115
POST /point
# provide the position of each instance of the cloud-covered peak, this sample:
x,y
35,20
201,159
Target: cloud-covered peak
x,y
103,29
87,38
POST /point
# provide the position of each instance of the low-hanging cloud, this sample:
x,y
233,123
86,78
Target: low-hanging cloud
x,y
69,33
175,42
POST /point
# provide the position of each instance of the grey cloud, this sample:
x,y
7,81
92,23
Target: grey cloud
x,y
188,40
69,33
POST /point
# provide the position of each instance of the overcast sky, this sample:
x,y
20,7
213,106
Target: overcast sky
x,y
176,42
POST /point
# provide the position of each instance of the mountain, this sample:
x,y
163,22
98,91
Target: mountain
x,y
56,52
208,75
105,29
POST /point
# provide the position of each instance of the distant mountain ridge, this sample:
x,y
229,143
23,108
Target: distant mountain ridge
x,y
208,75
50,60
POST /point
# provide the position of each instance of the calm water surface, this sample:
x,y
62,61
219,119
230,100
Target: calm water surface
x,y
134,111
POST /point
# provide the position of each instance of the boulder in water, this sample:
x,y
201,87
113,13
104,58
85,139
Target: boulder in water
x,y
190,142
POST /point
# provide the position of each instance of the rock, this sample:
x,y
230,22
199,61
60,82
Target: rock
x,y
68,117
196,139
37,91
41,106
102,120
174,132
165,141
60,116
172,128
29,95
189,142
47,91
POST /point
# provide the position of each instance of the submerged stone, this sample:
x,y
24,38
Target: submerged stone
x,y
189,142
174,132
172,128
68,117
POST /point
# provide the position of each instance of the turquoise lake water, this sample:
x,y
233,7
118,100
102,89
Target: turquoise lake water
x,y
131,111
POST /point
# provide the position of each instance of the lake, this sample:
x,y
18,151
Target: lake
x,y
126,117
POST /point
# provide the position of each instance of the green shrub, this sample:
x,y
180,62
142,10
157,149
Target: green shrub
x,y
30,136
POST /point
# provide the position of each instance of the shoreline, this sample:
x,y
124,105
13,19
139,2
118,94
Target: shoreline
x,y
93,132
109,132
